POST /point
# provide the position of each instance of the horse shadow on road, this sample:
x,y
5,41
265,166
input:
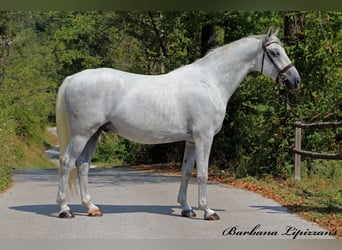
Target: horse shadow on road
x,y
102,177
51,210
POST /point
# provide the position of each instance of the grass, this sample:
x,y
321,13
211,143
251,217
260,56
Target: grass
x,y
5,178
33,158
20,154
32,155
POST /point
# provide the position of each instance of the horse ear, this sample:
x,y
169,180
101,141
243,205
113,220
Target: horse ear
x,y
269,32
276,32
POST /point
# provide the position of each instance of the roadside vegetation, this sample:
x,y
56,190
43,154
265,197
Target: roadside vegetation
x,y
254,148
317,197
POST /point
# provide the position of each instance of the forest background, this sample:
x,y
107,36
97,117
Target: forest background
x,y
39,49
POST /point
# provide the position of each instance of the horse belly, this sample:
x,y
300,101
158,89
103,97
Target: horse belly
x,y
149,121
151,136
148,132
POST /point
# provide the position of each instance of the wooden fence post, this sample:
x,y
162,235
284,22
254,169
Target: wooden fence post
x,y
298,158
298,144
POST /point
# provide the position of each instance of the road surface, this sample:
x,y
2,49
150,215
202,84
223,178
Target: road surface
x,y
141,205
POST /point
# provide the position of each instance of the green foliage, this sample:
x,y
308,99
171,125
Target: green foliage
x,y
319,58
6,151
5,177
110,150
27,92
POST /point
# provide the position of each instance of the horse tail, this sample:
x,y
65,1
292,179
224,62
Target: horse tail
x,y
64,135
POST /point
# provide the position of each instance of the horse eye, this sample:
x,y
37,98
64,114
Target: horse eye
x,y
275,52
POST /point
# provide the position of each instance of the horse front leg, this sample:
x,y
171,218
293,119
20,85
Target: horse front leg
x,y
202,148
188,164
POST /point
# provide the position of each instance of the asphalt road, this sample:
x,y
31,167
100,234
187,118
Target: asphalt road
x,y
140,205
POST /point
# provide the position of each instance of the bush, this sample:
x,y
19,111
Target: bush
x,y
112,149
107,149
5,177
8,152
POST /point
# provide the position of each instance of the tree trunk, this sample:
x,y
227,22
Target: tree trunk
x,y
293,27
6,38
162,46
208,38
293,34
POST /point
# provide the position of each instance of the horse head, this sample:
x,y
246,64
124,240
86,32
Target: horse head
x,y
275,62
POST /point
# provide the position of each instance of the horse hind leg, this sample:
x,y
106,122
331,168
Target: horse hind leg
x,y
67,162
83,165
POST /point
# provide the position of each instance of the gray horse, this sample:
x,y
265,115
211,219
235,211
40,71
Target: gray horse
x,y
187,104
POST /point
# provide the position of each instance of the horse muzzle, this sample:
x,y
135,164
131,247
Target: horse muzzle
x,y
290,78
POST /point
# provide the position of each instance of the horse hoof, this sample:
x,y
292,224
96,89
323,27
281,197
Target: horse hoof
x,y
214,216
188,213
66,215
95,212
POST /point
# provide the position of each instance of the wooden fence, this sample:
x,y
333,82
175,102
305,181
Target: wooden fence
x,y
298,144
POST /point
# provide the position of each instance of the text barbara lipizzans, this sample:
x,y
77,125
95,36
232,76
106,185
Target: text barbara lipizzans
x,y
289,231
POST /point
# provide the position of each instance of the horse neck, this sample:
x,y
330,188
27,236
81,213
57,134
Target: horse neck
x,y
230,64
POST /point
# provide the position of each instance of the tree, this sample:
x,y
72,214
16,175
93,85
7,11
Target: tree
x,y
29,69
8,22
317,56
208,38
293,27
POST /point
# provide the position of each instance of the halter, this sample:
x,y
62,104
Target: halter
x,y
281,72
